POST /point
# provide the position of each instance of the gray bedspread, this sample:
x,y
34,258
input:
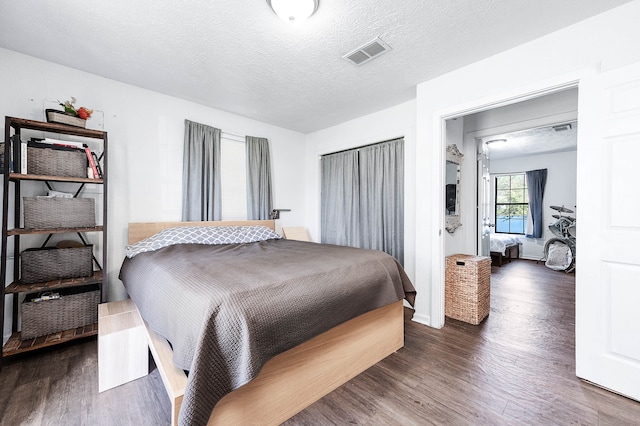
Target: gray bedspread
x,y
227,309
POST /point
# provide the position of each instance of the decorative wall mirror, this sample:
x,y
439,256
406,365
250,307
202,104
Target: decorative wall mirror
x,y
452,189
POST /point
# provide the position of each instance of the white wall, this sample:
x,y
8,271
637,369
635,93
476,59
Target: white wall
x,y
541,111
606,41
398,121
455,243
146,133
559,190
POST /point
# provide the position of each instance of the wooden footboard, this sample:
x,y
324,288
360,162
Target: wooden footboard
x,y
295,379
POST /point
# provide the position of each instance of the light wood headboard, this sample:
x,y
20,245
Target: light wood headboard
x,y
140,231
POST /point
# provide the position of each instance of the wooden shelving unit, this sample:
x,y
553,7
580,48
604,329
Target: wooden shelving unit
x,y
15,345
19,176
19,287
12,187
24,231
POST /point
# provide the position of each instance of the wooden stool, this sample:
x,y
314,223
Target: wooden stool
x,y
123,349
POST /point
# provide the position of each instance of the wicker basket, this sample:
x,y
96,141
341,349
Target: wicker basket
x,y
467,288
56,162
47,212
47,264
76,308
55,116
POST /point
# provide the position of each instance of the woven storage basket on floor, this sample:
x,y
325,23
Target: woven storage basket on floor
x,y
55,162
76,308
47,264
467,287
47,212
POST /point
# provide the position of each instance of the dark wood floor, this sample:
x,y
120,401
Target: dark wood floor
x,y
517,367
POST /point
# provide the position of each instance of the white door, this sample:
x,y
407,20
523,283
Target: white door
x,y
484,198
608,231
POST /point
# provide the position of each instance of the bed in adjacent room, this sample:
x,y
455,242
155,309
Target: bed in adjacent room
x,y
503,246
255,319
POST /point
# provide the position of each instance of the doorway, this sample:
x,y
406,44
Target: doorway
x,y
606,314
538,133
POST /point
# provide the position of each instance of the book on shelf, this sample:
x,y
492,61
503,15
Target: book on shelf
x,y
23,158
60,142
15,154
92,163
96,160
36,143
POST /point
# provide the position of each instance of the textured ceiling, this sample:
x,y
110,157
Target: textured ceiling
x,y
239,57
541,140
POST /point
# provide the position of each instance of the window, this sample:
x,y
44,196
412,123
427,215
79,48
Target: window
x,y
233,177
512,203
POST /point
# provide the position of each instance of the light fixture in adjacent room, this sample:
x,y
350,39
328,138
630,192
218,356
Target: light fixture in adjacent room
x,y
562,127
496,141
294,11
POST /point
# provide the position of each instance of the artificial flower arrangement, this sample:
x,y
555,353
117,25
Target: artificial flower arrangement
x,y
82,112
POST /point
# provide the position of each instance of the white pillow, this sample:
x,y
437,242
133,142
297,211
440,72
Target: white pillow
x,y
201,235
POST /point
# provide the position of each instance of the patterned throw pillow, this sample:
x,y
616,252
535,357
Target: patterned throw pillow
x,y
202,235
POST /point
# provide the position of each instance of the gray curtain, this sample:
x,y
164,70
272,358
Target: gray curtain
x,y
340,199
362,198
259,202
382,198
536,181
201,194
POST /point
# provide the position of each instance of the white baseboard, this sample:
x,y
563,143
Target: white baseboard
x,y
422,319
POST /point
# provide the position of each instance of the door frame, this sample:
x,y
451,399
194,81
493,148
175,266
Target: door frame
x,y
515,95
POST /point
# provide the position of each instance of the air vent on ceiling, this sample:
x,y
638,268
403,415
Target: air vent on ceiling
x,y
367,51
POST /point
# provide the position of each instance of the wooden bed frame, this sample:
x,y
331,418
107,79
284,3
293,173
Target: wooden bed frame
x,y
292,380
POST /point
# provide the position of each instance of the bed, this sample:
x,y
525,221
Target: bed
x,y
324,352
502,246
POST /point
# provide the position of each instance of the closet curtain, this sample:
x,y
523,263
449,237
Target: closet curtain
x,y
259,204
201,193
536,181
340,199
382,198
362,198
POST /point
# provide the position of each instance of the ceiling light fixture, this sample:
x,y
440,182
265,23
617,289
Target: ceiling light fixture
x,y
294,11
495,141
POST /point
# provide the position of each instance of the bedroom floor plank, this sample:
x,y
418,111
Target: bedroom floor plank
x,y
515,368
